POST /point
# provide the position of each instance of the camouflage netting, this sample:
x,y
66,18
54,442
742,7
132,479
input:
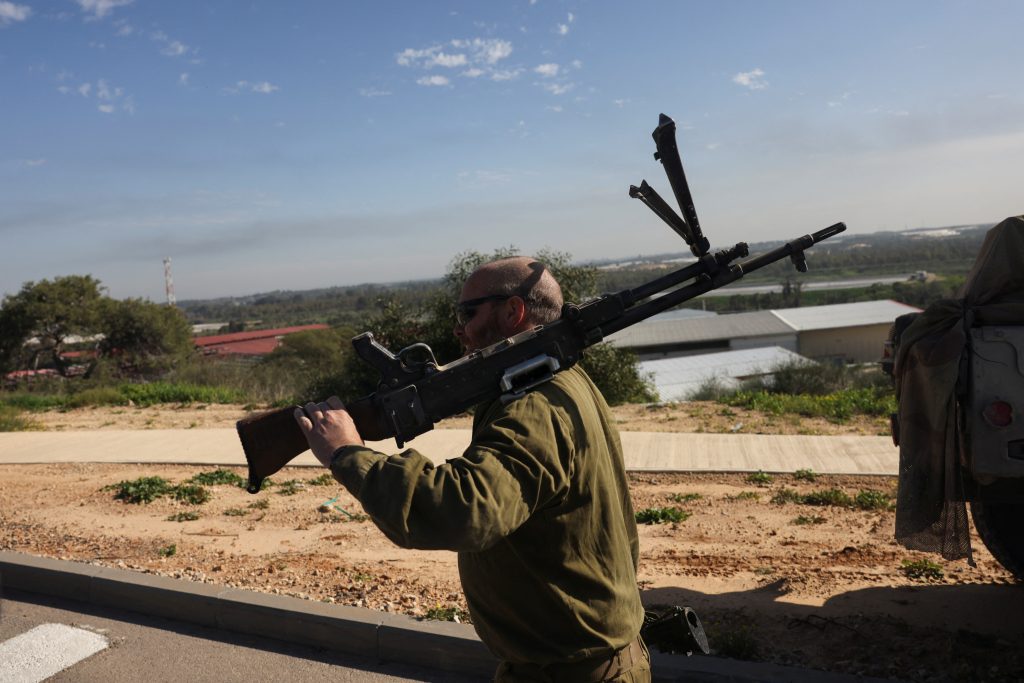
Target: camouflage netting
x,y
931,513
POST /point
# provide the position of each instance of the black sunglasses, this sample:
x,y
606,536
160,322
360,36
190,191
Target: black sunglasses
x,y
465,310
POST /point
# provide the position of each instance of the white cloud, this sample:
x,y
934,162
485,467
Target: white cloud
x,y
450,61
713,145
572,17
547,70
171,47
506,74
838,102
263,88
35,162
101,8
751,79
10,13
430,57
487,51
106,108
374,92
183,79
480,55
84,89
563,29
620,103
433,81
124,28
557,88
557,108
577,64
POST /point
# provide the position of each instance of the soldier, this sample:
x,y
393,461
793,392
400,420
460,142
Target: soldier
x,y
537,507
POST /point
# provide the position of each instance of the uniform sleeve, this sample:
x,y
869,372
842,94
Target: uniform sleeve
x,y
518,463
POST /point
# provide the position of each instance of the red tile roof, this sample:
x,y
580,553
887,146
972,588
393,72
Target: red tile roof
x,y
252,343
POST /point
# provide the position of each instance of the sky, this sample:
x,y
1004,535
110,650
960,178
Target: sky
x,y
268,145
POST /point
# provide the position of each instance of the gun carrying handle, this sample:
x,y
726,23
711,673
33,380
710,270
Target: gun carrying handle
x,y
273,439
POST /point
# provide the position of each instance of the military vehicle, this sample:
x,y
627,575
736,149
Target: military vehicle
x,y
958,368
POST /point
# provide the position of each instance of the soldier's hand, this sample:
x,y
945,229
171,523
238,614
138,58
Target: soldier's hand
x,y
327,427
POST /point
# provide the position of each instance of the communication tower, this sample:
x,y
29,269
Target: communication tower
x,y
169,282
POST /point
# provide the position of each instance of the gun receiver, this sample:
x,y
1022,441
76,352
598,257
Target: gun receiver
x,y
414,393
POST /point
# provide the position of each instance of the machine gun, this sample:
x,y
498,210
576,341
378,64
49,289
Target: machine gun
x,y
415,391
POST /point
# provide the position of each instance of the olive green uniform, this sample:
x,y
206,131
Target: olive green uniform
x,y
539,511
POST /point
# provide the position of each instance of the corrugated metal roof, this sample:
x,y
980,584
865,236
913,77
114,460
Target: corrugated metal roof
x,y
662,332
653,332
843,315
677,379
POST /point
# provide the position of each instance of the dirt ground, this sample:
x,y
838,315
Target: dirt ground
x,y
816,586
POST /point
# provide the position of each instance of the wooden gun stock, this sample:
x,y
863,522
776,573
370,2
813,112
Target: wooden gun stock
x,y
272,439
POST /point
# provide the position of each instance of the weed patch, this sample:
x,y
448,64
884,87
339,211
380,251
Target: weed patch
x,y
684,497
236,512
833,497
290,487
261,504
784,495
661,515
219,478
11,420
812,519
168,551
193,494
745,495
872,500
439,613
325,479
839,406
922,570
142,490
760,478
187,516
805,475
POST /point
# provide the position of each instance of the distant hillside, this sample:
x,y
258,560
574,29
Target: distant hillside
x,y
947,251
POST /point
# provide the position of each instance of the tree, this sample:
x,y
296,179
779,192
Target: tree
x,y
49,314
142,336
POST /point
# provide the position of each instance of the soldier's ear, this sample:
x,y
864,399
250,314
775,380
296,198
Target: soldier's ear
x,y
515,311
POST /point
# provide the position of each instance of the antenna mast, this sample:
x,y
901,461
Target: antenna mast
x,y
169,282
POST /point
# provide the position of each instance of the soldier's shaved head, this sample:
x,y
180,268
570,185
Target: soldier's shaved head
x,y
524,277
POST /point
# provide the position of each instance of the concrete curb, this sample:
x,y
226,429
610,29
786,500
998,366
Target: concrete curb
x,y
350,630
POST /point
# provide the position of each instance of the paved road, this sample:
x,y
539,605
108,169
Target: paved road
x,y
644,451
154,649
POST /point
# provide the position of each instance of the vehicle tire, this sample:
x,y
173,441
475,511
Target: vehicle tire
x,y
1001,527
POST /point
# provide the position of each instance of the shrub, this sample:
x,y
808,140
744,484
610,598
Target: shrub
x,y
325,479
838,406
661,515
168,551
745,495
